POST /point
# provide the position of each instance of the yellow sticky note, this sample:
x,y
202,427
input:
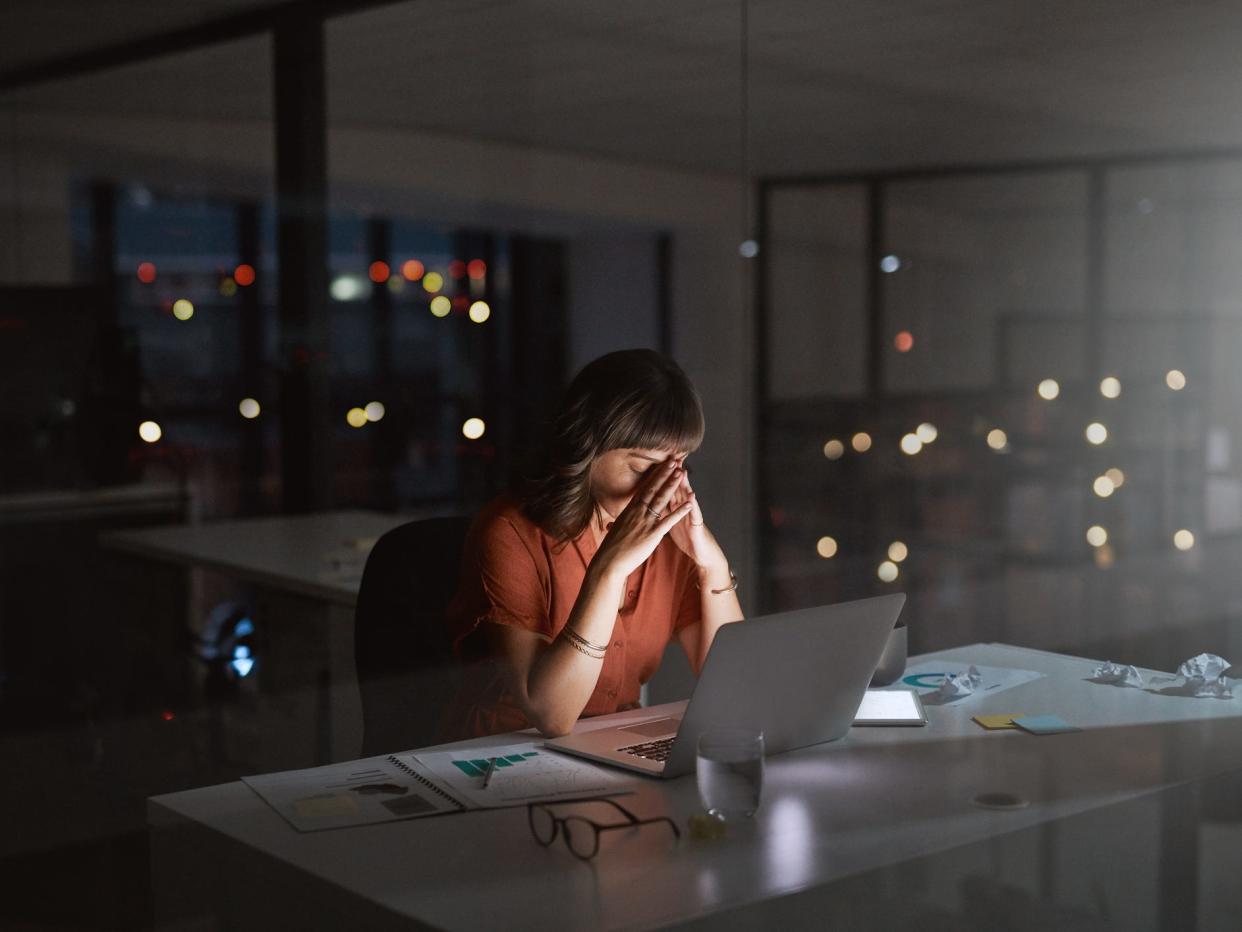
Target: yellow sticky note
x,y
993,722
332,805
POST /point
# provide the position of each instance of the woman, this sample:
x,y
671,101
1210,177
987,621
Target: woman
x,y
572,588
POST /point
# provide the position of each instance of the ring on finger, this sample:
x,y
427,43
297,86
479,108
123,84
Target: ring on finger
x,y
655,514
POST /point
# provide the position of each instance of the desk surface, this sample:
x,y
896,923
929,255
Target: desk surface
x,y
316,555
878,797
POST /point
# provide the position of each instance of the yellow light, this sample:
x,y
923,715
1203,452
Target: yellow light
x,y
1175,379
228,287
150,431
440,306
861,442
897,551
887,571
1110,387
249,408
1183,539
1104,558
374,411
473,428
911,444
433,282
826,547
355,417
479,312
927,432
1097,536
183,309
997,439
1048,389
1096,433
1116,476
1103,486
834,449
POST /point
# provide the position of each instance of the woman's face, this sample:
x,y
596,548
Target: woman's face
x,y
616,474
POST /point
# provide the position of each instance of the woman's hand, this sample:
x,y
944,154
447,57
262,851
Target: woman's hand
x,y
693,537
641,525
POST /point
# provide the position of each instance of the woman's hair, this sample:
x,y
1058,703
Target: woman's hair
x,y
630,399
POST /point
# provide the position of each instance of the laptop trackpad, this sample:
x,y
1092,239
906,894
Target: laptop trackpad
x,y
661,726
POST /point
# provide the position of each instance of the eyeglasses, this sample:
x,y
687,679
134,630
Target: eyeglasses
x,y
582,834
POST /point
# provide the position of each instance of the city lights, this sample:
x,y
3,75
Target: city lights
x,y
890,264
346,288
1096,433
479,312
1183,539
378,272
374,411
904,341
898,551
228,287
927,432
1110,387
887,571
834,449
183,309
249,408
473,428
911,444
1097,536
355,417
150,431
1049,389
412,270
748,249
997,439
441,306
1175,379
476,269
1116,477
1103,486
826,547
433,282
146,272
244,275
861,442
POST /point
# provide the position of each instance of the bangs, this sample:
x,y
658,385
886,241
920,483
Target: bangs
x,y
671,421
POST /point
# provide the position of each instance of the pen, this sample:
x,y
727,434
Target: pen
x,y
491,769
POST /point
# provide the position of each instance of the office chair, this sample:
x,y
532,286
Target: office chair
x,y
406,671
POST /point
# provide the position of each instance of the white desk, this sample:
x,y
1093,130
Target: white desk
x,y
878,797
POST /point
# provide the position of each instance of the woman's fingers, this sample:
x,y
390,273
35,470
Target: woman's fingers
x,y
664,493
675,515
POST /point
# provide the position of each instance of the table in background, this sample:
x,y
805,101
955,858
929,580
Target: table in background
x,y
876,801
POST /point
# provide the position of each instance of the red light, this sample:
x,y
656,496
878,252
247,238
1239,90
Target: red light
x,y
476,269
456,268
167,715
460,302
904,341
378,272
146,272
244,275
412,269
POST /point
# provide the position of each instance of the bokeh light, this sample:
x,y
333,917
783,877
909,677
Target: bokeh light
x,y
826,547
834,449
228,287
396,284
183,309
480,312
476,269
1183,539
1110,387
1096,433
433,282
1097,536
927,432
1103,486
355,417
473,428
346,288
412,270
887,571
378,272
911,444
1116,477
441,306
374,411
457,269
1175,379
997,439
150,431
890,264
146,272
244,275
1049,389
904,341
861,442
249,408
1104,556
898,551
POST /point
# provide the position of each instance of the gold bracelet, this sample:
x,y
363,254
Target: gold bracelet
x,y
582,650
730,588
583,641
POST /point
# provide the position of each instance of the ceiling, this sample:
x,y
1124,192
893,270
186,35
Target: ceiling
x,y
834,86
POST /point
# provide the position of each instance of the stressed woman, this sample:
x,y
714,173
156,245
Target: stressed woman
x,y
572,587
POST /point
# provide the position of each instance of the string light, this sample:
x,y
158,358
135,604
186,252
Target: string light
x,y
826,547
898,551
1116,476
1103,486
150,431
1183,539
249,408
911,444
473,428
927,432
887,571
1110,387
997,439
861,442
355,417
1097,536
480,311
1096,433
1049,389
374,411
1175,379
834,449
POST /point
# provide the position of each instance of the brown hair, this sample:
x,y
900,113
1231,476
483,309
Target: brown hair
x,y
634,398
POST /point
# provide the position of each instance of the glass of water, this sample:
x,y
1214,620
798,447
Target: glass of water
x,y
730,772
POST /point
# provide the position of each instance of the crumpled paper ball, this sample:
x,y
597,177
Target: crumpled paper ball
x,y
1118,675
1205,676
960,684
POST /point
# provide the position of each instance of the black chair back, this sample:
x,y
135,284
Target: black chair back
x,y
406,671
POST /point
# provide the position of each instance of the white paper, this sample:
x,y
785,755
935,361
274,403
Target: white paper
x,y
1117,675
970,682
529,772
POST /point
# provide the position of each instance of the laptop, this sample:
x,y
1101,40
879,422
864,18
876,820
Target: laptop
x,y
799,677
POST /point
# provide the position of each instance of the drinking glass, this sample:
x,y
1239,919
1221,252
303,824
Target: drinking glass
x,y
730,772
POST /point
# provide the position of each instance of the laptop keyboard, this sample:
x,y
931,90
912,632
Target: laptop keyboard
x,y
652,750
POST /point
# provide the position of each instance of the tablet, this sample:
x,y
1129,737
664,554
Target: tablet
x,y
891,707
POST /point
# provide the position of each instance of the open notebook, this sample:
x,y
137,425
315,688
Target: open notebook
x,y
410,785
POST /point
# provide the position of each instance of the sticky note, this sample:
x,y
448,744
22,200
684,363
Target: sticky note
x,y
1044,724
995,722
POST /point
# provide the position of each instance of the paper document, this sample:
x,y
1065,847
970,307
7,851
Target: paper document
x,y
930,679
524,773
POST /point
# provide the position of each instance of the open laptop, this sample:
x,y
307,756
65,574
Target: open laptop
x,y
798,677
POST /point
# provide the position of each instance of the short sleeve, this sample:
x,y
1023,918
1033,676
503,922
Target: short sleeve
x,y
690,602
514,592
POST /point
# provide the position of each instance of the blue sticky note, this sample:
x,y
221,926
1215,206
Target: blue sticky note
x,y
1044,724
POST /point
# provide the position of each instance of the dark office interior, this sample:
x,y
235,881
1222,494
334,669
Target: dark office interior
x,y
959,284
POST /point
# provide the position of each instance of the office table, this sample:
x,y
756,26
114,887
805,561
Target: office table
x,y
877,801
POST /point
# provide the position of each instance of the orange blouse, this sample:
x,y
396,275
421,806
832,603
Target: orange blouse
x,y
513,573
